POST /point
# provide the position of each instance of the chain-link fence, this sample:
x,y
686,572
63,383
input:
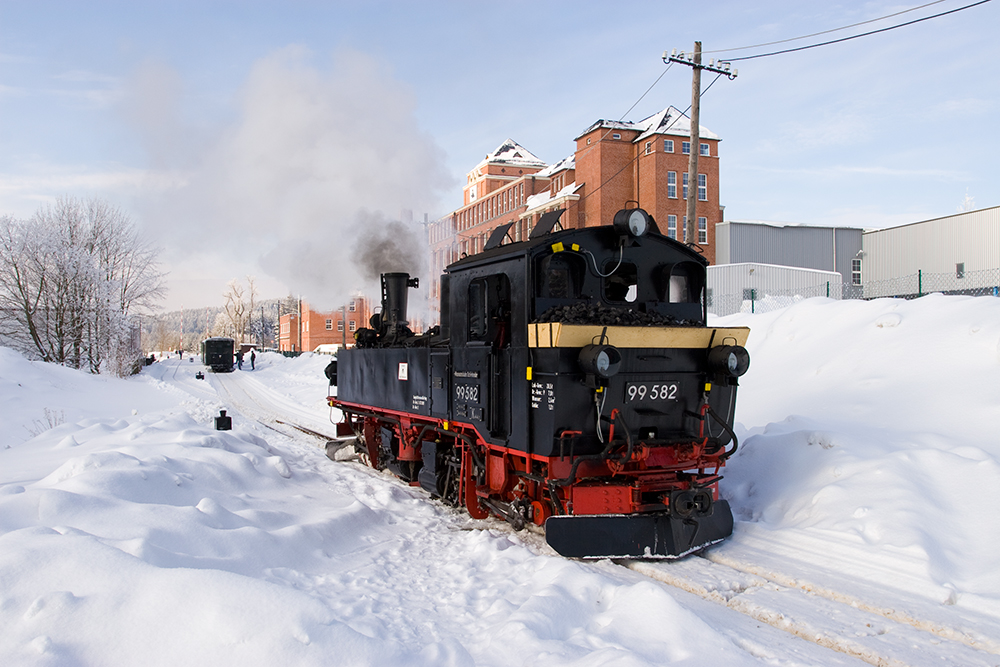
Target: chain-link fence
x,y
973,283
752,300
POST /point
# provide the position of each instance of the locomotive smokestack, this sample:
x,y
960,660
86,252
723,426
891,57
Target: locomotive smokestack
x,y
394,295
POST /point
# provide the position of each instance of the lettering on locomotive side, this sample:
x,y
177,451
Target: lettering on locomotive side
x,y
473,375
418,402
467,393
543,394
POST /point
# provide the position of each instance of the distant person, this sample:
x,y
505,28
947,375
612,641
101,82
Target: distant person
x,y
181,352
253,359
239,360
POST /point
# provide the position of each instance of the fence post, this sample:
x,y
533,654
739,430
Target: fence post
x,y
920,282
827,289
753,298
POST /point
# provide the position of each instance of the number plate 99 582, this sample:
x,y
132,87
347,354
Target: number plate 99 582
x,y
651,392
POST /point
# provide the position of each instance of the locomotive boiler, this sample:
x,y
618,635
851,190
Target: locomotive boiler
x,y
572,383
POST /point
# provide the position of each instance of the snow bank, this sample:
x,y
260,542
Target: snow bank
x,y
131,532
152,539
873,425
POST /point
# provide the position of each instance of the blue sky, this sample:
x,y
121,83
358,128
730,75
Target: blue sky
x,y
271,132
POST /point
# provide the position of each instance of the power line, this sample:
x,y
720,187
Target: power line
x,y
622,119
649,89
827,32
864,34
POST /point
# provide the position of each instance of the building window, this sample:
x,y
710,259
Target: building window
x,y
353,306
684,223
855,271
702,230
649,147
616,135
960,270
672,185
705,150
340,325
351,325
702,187
672,226
686,147
668,145
685,187
329,325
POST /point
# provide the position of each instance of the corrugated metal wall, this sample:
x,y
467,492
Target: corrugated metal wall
x,y
822,248
754,286
934,246
722,244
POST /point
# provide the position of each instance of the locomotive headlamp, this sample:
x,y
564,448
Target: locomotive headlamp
x,y
729,360
600,360
632,222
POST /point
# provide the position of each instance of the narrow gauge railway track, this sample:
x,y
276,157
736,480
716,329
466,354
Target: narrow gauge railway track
x,y
250,406
875,634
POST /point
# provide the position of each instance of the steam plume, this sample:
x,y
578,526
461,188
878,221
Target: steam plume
x,y
317,164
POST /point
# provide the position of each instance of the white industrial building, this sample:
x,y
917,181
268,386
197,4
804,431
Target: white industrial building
x,y
753,287
806,246
957,254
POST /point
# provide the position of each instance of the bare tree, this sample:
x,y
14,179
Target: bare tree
x,y
240,302
968,203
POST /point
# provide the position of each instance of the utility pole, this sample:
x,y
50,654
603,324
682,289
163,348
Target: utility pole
x,y
693,60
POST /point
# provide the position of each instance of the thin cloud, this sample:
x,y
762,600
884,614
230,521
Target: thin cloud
x,y
836,171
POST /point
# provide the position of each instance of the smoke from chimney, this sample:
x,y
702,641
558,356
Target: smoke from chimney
x,y
301,179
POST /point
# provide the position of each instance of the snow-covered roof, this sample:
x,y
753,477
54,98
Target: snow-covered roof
x,y
541,199
669,121
511,152
562,165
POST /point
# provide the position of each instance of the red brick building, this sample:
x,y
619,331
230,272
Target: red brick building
x,y
615,163
316,328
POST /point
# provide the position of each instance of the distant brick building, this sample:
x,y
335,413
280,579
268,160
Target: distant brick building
x,y
614,163
322,328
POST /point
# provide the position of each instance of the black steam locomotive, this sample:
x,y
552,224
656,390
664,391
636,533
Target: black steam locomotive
x,y
217,353
572,383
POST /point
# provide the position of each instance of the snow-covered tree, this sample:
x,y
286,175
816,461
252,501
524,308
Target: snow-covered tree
x,y
73,278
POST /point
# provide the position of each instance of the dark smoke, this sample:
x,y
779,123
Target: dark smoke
x,y
385,246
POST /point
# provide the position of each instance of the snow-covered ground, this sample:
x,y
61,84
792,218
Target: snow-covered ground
x,y
133,533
